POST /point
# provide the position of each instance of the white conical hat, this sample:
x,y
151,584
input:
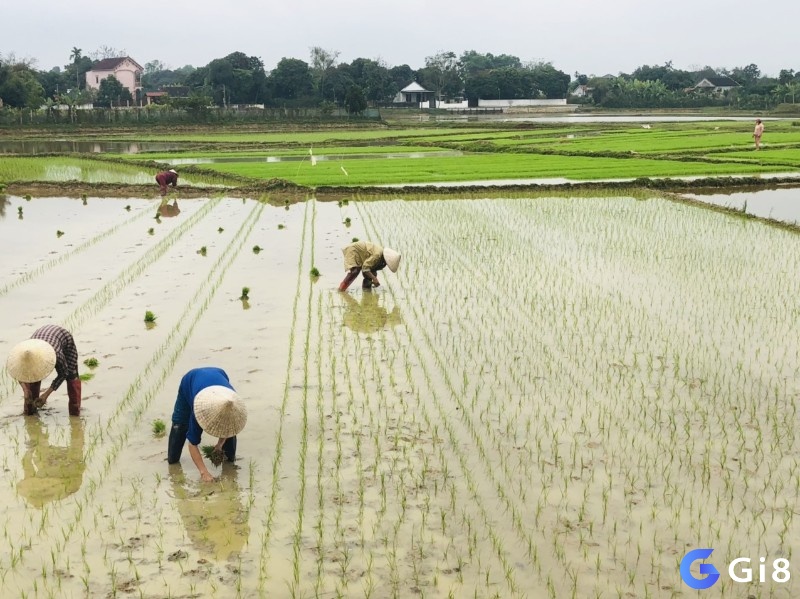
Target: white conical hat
x,y
392,258
220,411
31,361
172,170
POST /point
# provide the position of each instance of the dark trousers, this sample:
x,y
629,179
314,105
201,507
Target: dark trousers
x,y
177,439
73,392
367,283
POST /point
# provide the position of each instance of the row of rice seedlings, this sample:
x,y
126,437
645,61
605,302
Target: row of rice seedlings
x,y
275,487
137,399
475,491
511,290
297,537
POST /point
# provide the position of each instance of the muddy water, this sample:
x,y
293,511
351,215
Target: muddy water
x,y
451,433
777,204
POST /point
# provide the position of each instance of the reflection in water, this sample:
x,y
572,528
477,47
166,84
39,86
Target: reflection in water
x,y
369,315
62,146
166,210
52,472
213,514
4,201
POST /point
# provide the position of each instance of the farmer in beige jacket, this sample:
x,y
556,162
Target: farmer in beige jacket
x,y
368,258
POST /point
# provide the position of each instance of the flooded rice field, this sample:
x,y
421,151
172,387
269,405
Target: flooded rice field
x,y
52,146
777,204
551,398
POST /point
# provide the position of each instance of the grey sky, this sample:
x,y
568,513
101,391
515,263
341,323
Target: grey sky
x,y
590,36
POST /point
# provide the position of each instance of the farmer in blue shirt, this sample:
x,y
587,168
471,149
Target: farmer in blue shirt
x,y
206,401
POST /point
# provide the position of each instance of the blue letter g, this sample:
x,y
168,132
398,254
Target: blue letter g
x,y
710,572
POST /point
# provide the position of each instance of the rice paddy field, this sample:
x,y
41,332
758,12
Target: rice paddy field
x,y
555,396
392,155
559,394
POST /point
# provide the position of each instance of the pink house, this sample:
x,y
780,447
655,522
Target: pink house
x,y
127,71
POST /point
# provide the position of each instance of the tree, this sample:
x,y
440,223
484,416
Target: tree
x,y
112,93
441,74
354,101
291,79
548,80
373,79
75,56
104,52
19,84
322,61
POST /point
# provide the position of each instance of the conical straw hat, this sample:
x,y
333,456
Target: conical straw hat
x,y
220,411
31,361
392,258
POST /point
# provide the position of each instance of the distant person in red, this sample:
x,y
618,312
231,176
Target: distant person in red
x,y
165,178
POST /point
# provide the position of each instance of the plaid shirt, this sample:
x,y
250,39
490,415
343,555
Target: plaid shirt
x,y
66,352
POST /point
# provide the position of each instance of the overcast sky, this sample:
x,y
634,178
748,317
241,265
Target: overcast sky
x,y
589,36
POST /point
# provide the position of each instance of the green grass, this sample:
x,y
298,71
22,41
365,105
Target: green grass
x,y
482,167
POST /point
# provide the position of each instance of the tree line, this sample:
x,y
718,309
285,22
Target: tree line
x,y
326,83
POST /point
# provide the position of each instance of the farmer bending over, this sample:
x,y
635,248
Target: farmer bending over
x,y
368,258
206,401
165,178
33,360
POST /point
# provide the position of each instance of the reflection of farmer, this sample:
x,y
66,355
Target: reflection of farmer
x,y
368,258
51,472
368,316
33,360
165,178
213,515
4,201
166,210
206,401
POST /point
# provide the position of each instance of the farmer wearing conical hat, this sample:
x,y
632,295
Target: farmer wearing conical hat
x,y
33,360
165,178
206,401
368,258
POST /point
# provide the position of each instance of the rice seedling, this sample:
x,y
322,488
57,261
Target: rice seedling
x,y
220,230
151,231
281,226
59,233
314,272
245,293
84,200
212,454
149,317
91,362
128,207
256,249
159,427
27,197
86,376
202,251
347,221
354,239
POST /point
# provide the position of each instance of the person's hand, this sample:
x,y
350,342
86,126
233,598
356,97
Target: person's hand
x,y
376,283
206,477
42,399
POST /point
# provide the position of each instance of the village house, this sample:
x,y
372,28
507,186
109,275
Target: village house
x,y
716,85
127,71
413,93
